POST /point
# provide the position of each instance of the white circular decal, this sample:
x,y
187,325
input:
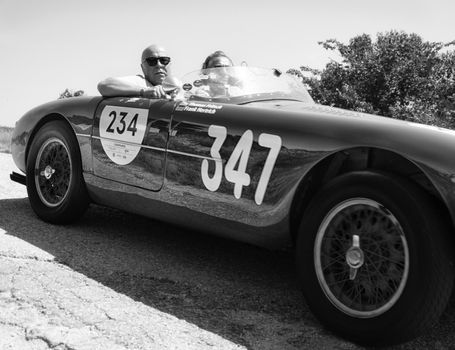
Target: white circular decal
x,y
120,128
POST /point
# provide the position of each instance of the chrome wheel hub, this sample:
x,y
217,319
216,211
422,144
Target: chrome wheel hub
x,y
47,172
354,257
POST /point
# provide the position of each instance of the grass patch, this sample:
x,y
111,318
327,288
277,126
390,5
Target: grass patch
x,y
5,139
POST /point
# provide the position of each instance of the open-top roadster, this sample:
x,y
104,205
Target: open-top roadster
x,y
367,202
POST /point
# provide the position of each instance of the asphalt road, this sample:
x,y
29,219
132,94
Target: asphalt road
x,y
119,281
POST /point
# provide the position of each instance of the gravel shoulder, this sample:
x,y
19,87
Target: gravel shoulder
x,y
119,281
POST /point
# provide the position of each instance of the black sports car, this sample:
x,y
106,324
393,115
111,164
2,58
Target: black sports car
x,y
367,202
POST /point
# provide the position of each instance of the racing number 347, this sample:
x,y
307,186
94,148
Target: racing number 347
x,y
239,156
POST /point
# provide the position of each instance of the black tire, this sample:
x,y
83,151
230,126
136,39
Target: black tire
x,y
374,258
55,184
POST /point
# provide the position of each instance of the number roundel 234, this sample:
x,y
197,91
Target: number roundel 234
x,y
235,168
124,124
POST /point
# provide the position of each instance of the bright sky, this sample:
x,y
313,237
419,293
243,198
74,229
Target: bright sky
x,y
49,45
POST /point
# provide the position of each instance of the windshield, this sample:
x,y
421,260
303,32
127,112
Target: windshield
x,y
239,85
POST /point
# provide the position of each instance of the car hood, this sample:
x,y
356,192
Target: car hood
x,y
327,112
342,129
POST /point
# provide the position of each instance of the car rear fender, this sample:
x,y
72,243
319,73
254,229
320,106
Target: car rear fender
x,y
363,158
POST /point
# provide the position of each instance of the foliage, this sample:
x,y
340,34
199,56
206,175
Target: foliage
x,y
71,93
399,75
5,139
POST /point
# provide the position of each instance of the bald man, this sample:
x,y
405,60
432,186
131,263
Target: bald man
x,y
154,62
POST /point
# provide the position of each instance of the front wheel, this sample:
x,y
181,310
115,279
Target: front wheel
x,y
373,258
55,183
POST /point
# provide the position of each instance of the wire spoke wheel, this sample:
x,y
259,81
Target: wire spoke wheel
x,y
53,170
366,278
374,257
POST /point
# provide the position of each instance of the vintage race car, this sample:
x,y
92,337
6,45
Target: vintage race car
x,y
366,202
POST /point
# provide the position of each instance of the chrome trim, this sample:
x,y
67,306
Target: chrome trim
x,y
158,149
129,143
193,155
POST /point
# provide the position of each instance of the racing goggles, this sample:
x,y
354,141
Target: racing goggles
x,y
153,61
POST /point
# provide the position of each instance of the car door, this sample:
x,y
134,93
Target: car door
x,y
129,141
221,162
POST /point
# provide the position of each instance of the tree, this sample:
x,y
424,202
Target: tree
x,y
70,93
399,75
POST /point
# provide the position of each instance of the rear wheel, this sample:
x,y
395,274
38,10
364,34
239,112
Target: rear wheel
x,y
373,258
55,184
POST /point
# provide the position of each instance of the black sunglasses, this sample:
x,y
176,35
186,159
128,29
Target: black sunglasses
x,y
153,61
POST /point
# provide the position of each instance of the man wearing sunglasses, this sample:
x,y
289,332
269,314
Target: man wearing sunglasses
x,y
153,84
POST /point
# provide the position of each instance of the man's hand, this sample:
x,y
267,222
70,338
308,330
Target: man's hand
x,y
154,92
